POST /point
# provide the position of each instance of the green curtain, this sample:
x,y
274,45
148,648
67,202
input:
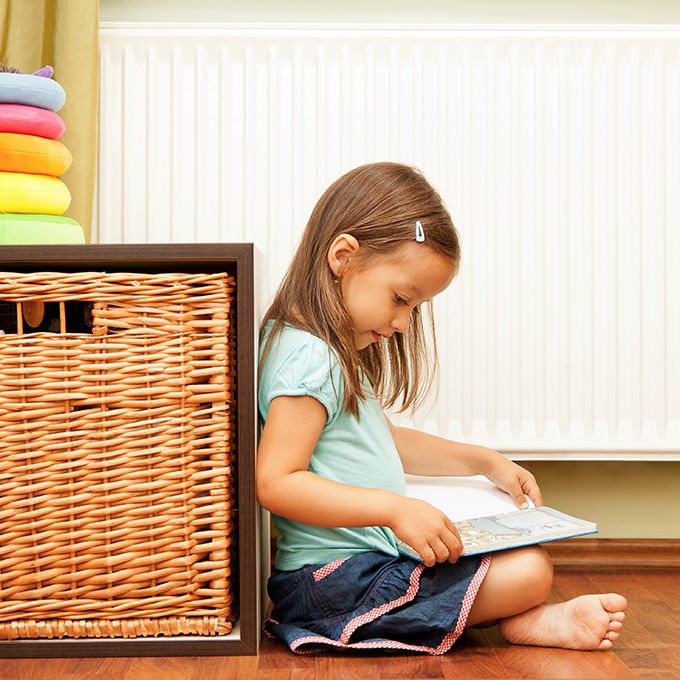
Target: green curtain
x,y
65,35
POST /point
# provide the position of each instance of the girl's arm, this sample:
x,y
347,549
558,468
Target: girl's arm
x,y
426,454
286,487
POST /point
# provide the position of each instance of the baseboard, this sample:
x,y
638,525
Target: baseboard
x,y
615,554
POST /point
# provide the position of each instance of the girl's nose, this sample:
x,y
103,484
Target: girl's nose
x,y
401,320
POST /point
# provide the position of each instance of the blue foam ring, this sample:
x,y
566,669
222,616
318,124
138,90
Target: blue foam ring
x,y
30,90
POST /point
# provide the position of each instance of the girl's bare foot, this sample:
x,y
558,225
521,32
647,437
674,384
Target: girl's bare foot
x,y
586,622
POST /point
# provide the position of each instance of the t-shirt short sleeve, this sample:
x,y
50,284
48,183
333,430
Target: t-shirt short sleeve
x,y
300,364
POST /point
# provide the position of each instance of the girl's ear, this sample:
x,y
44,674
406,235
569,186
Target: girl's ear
x,y
342,249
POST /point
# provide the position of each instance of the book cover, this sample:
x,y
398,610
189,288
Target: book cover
x,y
487,518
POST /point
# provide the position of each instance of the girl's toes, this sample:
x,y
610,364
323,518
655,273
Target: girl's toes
x,y
615,625
606,644
614,603
612,635
617,616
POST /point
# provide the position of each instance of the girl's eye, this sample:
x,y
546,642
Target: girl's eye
x,y
400,300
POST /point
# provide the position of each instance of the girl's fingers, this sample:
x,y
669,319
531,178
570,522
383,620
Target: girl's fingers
x,y
521,501
455,550
440,549
428,556
516,492
452,529
446,546
453,543
530,487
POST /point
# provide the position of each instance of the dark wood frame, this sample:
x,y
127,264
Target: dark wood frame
x,y
204,257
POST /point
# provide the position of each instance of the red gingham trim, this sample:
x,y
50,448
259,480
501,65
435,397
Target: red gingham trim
x,y
466,605
414,584
443,647
271,636
327,569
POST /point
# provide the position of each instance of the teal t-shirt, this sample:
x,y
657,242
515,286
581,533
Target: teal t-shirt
x,y
356,451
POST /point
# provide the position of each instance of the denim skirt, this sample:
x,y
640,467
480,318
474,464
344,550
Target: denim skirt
x,y
374,601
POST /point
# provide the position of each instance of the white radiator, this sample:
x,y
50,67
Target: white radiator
x,y
556,150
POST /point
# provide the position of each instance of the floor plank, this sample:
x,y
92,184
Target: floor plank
x,y
275,662
65,669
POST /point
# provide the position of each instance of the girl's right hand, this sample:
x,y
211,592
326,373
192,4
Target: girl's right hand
x,y
426,529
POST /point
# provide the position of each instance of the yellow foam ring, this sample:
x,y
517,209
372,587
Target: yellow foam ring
x,y
33,155
25,193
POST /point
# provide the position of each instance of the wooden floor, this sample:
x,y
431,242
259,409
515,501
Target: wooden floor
x,y
649,647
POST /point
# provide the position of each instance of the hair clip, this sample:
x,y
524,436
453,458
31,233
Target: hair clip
x,y
420,234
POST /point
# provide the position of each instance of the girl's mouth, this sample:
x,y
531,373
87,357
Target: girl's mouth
x,y
376,336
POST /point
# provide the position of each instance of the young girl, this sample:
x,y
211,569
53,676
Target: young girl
x,y
344,338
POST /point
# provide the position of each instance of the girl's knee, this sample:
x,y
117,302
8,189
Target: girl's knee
x,y
539,571
530,570
517,580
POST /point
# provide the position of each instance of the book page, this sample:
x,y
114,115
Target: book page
x,y
461,497
487,518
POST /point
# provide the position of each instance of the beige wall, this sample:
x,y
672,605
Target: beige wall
x,y
627,500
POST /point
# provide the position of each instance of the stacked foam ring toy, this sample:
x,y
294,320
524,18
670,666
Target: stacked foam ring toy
x,y
32,197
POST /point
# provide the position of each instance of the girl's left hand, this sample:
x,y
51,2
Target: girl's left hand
x,y
514,480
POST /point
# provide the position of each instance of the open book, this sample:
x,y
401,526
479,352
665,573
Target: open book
x,y
487,519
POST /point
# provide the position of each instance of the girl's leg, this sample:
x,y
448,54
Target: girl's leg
x,y
514,591
517,580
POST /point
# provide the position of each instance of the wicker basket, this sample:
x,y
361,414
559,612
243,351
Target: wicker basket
x,y
117,475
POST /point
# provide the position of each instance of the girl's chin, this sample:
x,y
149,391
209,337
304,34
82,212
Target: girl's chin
x,y
363,340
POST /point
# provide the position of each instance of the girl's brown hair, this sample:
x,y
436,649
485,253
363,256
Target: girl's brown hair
x,y
379,205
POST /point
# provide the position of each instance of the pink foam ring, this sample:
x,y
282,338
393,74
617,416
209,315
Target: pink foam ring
x,y
30,120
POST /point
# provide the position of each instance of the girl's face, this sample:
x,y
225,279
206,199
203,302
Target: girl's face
x,y
381,294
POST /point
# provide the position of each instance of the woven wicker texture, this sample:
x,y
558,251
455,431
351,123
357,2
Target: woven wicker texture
x,y
117,455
